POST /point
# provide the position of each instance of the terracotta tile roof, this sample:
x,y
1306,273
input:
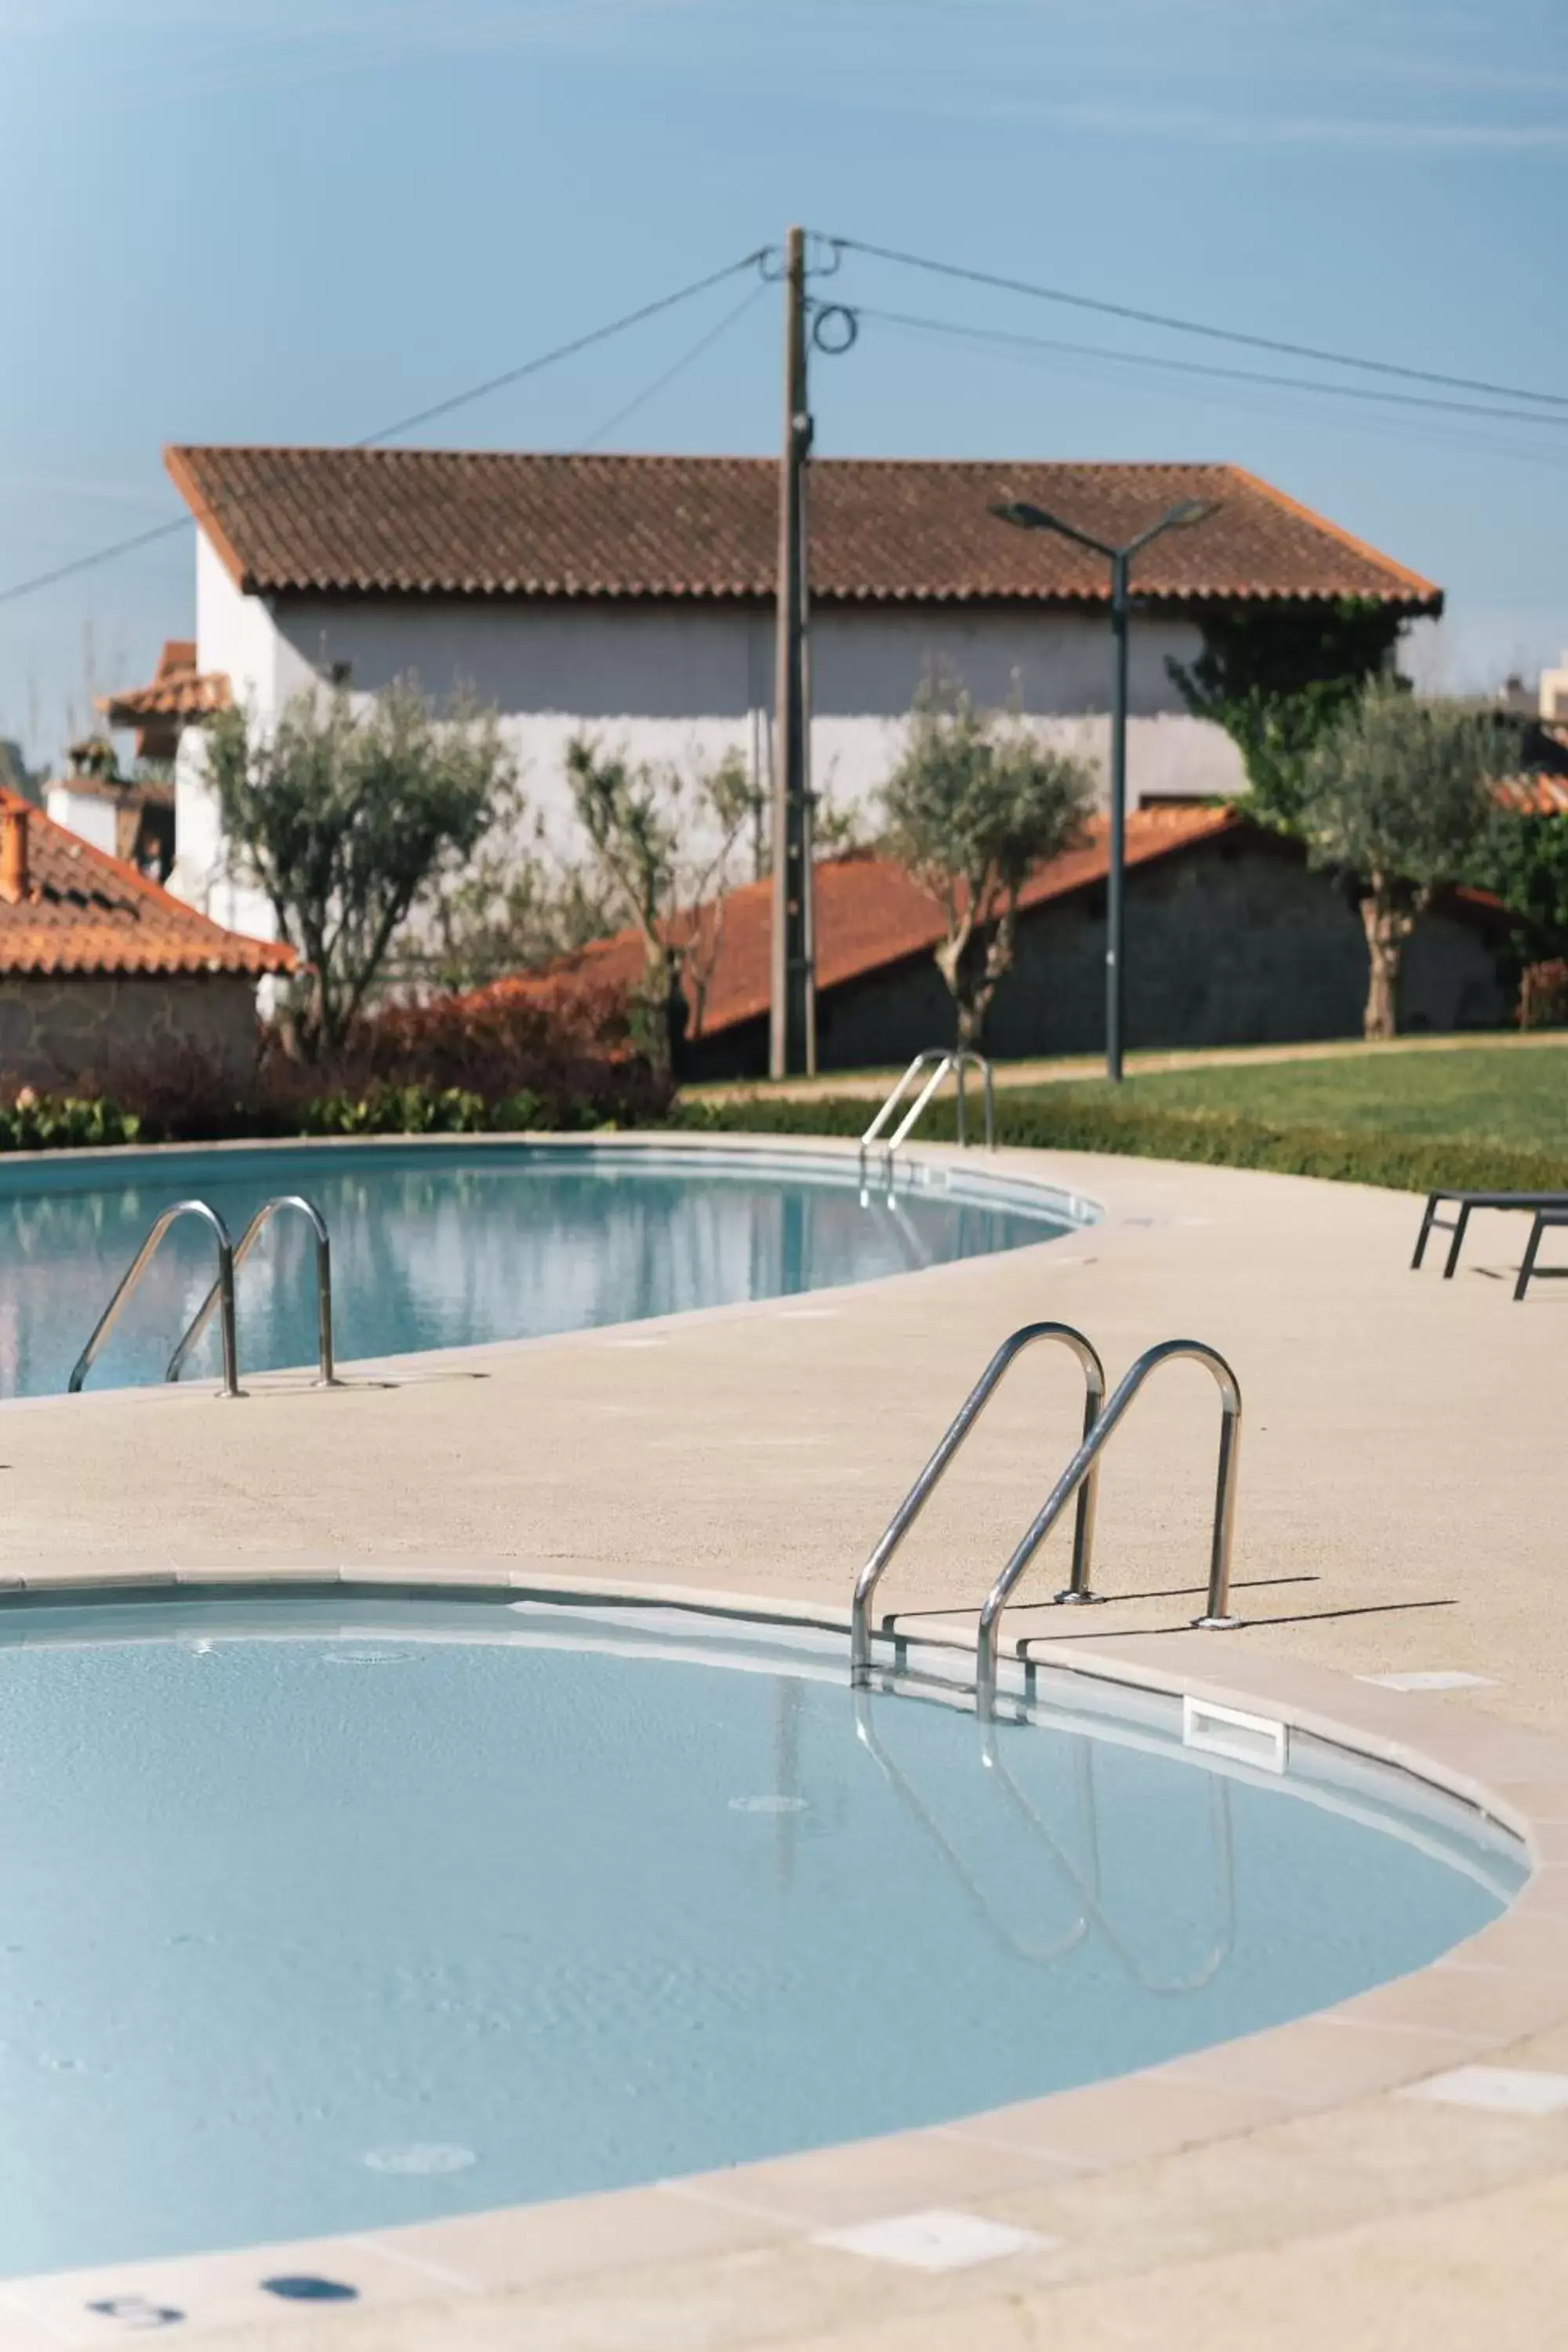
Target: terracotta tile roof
x,y
1535,795
868,915
86,912
179,690
478,523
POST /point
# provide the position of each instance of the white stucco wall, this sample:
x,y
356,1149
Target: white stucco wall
x,y
86,815
688,682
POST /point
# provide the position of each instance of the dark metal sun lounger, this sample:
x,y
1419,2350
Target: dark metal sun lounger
x,y
1548,1208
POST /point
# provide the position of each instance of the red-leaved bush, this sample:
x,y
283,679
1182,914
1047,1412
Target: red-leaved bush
x,y
1543,996
517,1054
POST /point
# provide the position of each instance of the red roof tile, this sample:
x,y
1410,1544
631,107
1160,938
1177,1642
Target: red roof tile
x,y
174,693
88,912
500,523
869,914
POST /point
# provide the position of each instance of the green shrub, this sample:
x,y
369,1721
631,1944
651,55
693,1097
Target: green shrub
x,y
385,1109
35,1122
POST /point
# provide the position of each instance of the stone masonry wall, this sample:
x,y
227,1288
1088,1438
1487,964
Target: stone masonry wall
x,y
1234,942
74,1034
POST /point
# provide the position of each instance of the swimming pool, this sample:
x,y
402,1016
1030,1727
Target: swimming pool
x,y
440,1245
323,1914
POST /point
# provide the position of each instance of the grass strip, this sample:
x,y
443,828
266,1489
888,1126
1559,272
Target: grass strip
x,y
1048,1119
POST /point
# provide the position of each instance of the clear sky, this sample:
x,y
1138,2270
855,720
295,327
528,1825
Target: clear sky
x,y
295,220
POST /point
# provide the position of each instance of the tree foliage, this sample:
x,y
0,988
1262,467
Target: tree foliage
x,y
1276,676
509,907
661,842
340,817
1397,795
974,804
1523,858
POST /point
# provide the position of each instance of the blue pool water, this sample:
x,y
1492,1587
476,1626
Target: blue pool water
x,y
443,1245
319,1915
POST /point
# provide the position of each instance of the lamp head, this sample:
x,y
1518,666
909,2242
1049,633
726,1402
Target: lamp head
x,y
1025,517
1188,511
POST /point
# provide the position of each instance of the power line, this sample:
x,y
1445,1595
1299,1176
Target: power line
x,y
563,350
1007,338
688,359
1195,327
420,417
98,555
1437,432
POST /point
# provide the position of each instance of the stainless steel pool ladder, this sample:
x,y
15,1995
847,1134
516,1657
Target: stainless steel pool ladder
x,y
326,1375
221,1296
948,1062
1079,1479
223,1288
920,1492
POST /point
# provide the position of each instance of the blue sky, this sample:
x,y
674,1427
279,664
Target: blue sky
x,y
295,220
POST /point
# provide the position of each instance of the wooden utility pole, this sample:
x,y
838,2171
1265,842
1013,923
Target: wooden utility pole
x,y
791,1046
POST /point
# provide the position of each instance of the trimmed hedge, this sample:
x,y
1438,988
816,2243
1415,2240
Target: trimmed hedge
x,y
35,1122
1043,1120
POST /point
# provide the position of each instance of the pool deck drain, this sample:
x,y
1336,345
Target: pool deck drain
x,y
1399,1464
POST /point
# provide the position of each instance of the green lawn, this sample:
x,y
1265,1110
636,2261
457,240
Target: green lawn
x,y
1500,1095
1481,1116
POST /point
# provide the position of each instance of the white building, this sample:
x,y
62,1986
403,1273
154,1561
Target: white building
x,y
631,597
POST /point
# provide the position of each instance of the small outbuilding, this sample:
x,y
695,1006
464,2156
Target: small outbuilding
x,y
103,973
1232,940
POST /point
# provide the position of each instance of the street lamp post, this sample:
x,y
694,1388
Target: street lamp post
x,y
1181,516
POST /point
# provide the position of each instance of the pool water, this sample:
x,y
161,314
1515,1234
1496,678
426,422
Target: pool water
x,y
322,1915
438,1246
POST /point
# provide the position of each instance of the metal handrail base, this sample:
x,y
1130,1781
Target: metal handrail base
x,y
222,1294
949,1061
920,1494
326,1376
1084,1466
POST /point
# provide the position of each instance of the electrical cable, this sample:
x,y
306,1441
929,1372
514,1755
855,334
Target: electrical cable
x,y
1008,338
420,417
687,358
1434,431
563,350
1195,327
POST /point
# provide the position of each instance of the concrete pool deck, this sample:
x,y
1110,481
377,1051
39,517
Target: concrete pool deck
x,y
1398,1515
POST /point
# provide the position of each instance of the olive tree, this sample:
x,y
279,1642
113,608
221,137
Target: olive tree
x,y
340,817
661,842
974,806
1396,796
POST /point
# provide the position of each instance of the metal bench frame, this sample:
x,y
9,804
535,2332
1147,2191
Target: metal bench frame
x,y
1529,1271
1464,1202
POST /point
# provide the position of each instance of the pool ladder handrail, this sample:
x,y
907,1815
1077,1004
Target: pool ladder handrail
x,y
222,1291
920,1494
326,1376
953,1060
1084,1467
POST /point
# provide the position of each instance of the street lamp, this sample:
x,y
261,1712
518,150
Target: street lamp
x,y
1181,516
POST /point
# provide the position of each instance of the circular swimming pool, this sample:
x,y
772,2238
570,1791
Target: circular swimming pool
x,y
323,1914
451,1244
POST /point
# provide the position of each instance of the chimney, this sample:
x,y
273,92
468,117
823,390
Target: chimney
x,y
14,854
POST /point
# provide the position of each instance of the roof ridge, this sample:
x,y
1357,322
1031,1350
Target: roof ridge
x,y
592,459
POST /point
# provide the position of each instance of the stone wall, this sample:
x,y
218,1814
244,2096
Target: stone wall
x,y
1233,942
78,1035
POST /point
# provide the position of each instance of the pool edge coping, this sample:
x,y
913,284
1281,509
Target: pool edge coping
x,y
1482,1996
